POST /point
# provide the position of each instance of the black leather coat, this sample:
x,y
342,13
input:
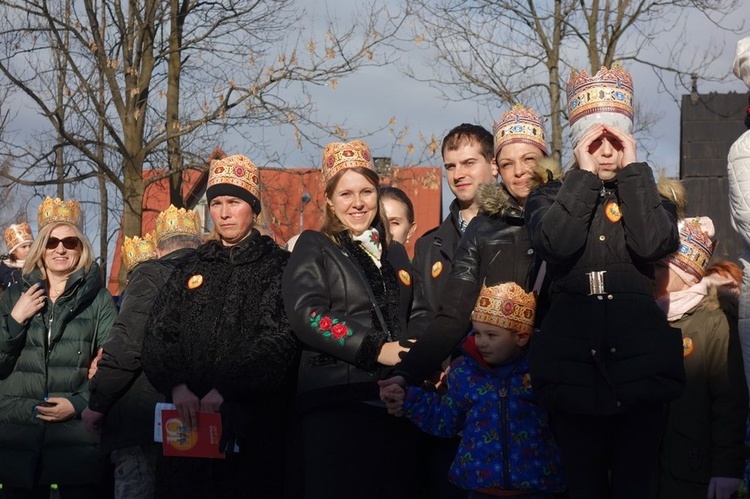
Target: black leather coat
x,y
495,248
602,353
330,310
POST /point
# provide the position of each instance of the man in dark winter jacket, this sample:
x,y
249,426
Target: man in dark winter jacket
x,y
121,405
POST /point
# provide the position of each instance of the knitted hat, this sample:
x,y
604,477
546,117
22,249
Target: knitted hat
x,y
606,98
506,305
17,235
519,125
174,222
741,67
696,248
59,211
340,155
136,250
234,176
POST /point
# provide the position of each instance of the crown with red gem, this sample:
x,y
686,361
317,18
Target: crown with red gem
x,y
506,305
236,170
59,211
17,235
340,155
520,124
176,222
136,250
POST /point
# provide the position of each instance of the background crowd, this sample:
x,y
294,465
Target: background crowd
x,y
560,334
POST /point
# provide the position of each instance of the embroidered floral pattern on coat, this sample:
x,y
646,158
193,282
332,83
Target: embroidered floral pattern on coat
x,y
330,327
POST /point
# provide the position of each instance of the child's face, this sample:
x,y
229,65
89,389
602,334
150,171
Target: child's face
x,y
498,345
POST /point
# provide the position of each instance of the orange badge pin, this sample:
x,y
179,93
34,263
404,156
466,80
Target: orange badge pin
x,y
687,347
613,212
405,277
195,281
437,267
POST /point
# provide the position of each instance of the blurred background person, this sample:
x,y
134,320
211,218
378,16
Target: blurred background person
x,y
18,239
121,404
52,324
399,212
218,340
347,292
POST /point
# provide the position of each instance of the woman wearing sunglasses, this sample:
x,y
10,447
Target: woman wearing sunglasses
x,y
52,324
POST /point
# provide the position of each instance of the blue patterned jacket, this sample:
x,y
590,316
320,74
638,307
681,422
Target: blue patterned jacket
x,y
506,442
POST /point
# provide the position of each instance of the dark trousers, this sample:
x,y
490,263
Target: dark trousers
x,y
357,450
612,457
87,491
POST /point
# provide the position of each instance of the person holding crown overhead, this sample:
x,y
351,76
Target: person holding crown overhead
x,y
347,292
218,340
52,324
121,405
605,360
18,239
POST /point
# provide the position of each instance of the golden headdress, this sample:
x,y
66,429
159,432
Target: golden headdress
x,y
17,235
520,124
136,250
235,176
176,222
340,155
506,305
59,211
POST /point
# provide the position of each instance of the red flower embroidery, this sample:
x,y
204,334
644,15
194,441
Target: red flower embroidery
x,y
325,324
339,331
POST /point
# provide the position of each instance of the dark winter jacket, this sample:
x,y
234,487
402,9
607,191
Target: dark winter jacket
x,y
49,356
506,442
601,351
8,275
326,298
219,323
705,433
433,260
495,249
119,389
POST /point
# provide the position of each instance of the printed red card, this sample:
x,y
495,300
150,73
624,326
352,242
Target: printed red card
x,y
177,440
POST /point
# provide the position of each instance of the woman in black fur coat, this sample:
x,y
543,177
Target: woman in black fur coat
x,y
347,291
218,341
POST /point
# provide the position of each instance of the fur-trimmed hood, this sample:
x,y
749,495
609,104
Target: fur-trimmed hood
x,y
494,199
546,170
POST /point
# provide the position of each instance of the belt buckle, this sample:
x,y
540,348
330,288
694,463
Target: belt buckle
x,y
596,282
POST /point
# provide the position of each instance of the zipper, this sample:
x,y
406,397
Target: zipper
x,y
505,421
49,332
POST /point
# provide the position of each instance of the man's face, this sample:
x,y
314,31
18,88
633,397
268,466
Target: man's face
x,y
466,168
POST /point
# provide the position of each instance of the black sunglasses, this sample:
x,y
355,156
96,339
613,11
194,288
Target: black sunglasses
x,y
70,243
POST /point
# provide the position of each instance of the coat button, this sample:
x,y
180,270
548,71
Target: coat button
x,y
613,349
530,251
602,237
618,403
610,297
593,352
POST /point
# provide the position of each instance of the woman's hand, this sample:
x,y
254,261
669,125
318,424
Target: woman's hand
x,y
212,401
55,410
28,304
389,352
581,151
187,405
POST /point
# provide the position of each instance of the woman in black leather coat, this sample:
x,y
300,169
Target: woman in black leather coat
x,y
347,293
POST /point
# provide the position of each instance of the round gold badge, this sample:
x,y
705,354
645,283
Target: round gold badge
x,y
437,268
405,277
613,212
687,347
195,281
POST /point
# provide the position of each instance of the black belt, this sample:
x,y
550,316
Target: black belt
x,y
604,282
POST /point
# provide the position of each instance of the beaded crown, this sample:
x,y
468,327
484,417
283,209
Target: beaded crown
x,y
696,247
59,211
506,305
17,235
136,250
608,91
520,124
236,170
340,155
176,222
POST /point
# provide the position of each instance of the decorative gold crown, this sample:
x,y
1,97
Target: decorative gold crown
x,y
236,170
17,235
58,211
609,91
506,305
696,247
174,222
136,250
519,125
340,155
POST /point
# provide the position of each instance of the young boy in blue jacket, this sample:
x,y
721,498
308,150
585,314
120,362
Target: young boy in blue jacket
x,y
506,445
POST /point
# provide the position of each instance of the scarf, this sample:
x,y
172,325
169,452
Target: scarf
x,y
370,241
678,303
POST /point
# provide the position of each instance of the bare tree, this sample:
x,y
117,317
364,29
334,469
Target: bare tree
x,y
177,76
523,51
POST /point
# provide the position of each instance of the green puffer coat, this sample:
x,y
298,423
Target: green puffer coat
x,y
49,356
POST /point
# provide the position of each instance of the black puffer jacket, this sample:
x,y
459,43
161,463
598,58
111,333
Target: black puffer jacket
x,y
325,282
434,253
120,389
495,248
600,354
49,356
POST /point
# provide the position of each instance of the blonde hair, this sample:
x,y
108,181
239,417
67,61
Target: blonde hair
x,y
35,258
331,223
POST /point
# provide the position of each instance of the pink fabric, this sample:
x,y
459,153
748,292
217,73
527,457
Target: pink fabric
x,y
678,303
